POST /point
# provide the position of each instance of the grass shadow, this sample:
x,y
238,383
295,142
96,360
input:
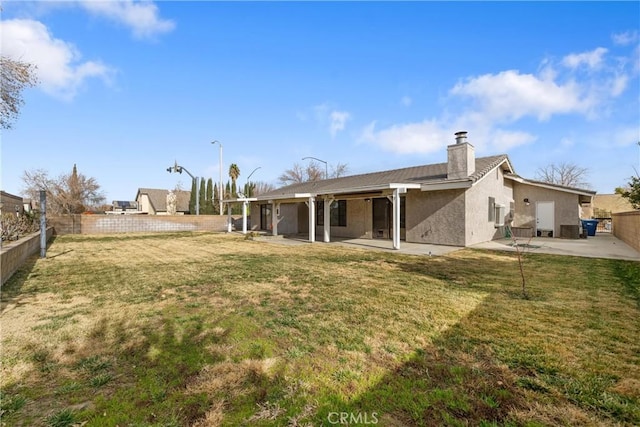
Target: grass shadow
x,y
474,375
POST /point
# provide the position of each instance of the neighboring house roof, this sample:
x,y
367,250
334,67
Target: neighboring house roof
x,y
414,177
579,191
158,199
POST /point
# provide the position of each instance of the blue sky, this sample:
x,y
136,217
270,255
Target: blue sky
x,y
127,88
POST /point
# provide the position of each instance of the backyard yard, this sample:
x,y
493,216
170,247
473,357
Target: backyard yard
x,y
204,329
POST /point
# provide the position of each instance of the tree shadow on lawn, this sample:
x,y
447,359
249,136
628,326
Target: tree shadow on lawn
x,y
12,291
472,376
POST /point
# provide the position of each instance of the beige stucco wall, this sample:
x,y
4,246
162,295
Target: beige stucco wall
x,y
145,205
566,206
288,220
436,217
478,228
358,221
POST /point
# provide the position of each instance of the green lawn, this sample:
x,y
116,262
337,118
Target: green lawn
x,y
211,329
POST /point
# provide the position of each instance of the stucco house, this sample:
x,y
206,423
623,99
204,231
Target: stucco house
x,y
464,201
153,201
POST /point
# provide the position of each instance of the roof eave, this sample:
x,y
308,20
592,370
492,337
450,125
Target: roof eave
x,y
360,189
577,191
446,185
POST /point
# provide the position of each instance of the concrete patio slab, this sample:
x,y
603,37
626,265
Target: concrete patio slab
x,y
602,245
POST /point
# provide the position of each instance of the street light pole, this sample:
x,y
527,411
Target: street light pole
x,y
326,171
179,169
246,185
220,189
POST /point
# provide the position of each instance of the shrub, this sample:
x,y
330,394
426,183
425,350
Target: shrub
x,y
15,226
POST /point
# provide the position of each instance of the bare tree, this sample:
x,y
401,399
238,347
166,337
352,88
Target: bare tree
x,y
253,189
567,174
312,172
340,169
68,194
16,76
293,176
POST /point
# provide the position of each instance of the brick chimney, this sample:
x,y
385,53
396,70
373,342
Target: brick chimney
x,y
461,158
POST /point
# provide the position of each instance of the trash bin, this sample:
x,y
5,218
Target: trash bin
x,y
590,225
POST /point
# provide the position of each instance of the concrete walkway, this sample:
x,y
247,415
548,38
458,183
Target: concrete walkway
x,y
603,245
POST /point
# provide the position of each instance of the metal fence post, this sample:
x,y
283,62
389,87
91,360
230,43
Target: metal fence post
x,y
43,224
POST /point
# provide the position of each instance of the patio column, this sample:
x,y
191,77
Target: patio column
x,y
396,218
244,217
229,225
312,219
275,207
327,219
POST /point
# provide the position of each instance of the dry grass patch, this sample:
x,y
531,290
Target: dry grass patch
x,y
210,329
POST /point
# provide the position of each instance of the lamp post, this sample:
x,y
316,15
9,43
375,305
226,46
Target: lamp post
x,y
179,169
326,171
220,189
246,185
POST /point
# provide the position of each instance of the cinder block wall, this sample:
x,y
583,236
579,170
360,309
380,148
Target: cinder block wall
x,y
14,254
106,224
626,227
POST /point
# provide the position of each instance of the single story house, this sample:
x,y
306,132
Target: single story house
x,y
153,201
465,201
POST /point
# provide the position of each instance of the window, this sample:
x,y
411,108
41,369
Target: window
x,y
319,212
337,213
500,214
492,209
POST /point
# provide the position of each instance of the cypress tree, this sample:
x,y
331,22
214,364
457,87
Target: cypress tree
x,y
192,198
209,208
216,199
202,195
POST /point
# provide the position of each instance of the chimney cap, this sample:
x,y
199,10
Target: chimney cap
x,y
461,137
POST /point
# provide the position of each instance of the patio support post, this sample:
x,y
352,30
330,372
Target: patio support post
x,y
312,219
275,207
229,224
396,218
327,219
244,217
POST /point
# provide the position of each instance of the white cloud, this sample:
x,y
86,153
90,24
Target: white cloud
x,y
510,95
504,140
338,121
424,137
142,18
406,101
626,38
59,69
328,117
619,84
592,59
625,136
